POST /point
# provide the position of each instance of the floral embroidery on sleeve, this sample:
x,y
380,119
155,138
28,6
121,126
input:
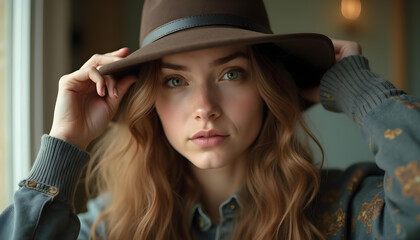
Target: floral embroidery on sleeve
x,y
391,134
328,96
409,105
330,224
356,119
398,228
389,182
355,180
409,176
370,212
331,196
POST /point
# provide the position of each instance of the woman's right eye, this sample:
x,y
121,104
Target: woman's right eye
x,y
174,82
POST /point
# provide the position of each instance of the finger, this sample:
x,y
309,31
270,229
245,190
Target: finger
x,y
122,52
339,43
75,80
122,87
98,60
124,84
354,47
337,58
111,86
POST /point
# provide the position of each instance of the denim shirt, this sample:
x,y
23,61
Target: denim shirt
x,y
200,223
366,201
203,228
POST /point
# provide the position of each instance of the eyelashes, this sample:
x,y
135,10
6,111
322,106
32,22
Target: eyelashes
x,y
174,82
232,74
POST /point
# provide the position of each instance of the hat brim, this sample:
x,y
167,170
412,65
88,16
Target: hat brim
x,y
310,54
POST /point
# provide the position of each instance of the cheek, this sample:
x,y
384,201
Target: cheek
x,y
170,117
247,111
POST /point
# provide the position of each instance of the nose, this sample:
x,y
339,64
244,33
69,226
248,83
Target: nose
x,y
206,103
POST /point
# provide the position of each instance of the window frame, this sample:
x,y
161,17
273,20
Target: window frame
x,y
24,81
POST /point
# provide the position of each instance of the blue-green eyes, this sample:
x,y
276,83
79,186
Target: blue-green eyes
x,y
232,75
178,81
174,82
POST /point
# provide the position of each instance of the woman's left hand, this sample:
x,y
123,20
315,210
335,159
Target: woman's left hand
x,y
342,49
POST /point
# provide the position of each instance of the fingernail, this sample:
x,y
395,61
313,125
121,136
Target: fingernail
x,y
116,92
103,91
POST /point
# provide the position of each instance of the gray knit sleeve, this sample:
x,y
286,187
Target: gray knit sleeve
x,y
43,205
59,165
350,87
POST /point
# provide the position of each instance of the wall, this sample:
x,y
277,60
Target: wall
x,y
413,24
341,139
57,52
371,30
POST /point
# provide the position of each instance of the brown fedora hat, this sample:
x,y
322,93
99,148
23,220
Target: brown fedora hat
x,y
174,26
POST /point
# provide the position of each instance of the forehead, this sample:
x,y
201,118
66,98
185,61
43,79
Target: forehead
x,y
205,54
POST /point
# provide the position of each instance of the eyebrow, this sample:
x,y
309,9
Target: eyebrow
x,y
174,67
215,63
229,58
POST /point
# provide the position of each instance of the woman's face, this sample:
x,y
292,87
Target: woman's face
x,y
210,108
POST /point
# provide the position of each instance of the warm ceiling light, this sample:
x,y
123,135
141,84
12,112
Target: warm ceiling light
x,y
351,9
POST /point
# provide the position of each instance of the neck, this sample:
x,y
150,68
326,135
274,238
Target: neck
x,y
218,184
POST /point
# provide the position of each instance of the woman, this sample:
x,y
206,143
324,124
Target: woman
x,y
204,144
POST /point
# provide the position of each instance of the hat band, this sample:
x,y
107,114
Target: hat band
x,y
200,21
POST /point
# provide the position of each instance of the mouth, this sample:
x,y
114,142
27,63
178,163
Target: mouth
x,y
209,138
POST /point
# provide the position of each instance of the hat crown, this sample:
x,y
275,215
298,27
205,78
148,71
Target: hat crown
x,y
157,13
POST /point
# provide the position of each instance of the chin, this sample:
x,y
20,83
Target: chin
x,y
207,165
208,161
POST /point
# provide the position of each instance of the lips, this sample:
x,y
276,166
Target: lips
x,y
209,138
208,133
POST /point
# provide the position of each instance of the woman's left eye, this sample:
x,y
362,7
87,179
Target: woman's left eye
x,y
174,82
232,75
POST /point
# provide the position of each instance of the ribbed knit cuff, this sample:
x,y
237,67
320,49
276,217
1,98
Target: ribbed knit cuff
x,y
59,164
350,87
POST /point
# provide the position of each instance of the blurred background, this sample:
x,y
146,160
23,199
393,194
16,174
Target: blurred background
x,y
41,40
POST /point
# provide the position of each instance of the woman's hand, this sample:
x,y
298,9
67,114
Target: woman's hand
x,y
87,101
342,49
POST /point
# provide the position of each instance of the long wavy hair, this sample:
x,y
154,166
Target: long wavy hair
x,y
153,189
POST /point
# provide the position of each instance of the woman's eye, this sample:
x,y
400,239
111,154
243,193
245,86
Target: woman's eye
x,y
174,82
232,75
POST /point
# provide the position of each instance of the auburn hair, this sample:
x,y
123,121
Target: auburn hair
x,y
152,187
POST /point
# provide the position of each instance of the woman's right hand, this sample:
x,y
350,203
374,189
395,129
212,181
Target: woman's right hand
x,y
83,109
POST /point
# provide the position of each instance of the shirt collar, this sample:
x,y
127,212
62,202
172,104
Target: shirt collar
x,y
227,209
